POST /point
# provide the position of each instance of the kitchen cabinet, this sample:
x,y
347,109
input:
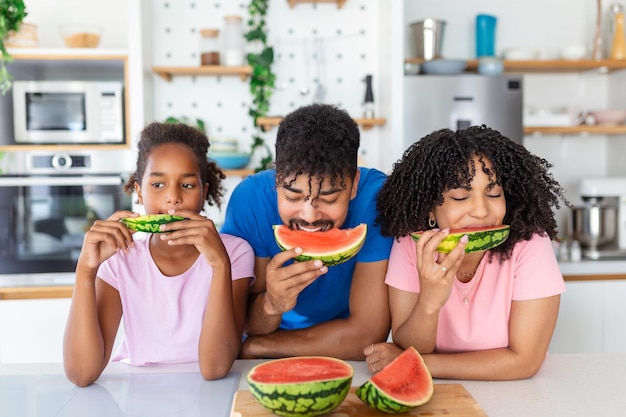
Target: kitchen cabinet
x,y
591,318
72,64
32,330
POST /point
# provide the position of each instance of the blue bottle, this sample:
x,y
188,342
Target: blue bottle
x,y
485,35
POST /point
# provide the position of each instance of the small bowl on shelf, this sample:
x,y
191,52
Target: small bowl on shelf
x,y
77,35
444,66
230,160
610,117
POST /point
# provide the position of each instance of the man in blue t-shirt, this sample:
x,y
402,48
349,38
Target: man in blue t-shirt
x,y
306,308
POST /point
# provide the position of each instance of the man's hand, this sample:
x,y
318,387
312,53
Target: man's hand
x,y
285,283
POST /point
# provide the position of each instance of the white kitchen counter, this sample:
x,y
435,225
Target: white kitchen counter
x,y
588,267
581,268
567,385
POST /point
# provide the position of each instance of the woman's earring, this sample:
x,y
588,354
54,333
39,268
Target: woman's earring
x,y
432,222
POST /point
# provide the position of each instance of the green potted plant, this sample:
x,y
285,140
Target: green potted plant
x,y
198,123
262,78
12,13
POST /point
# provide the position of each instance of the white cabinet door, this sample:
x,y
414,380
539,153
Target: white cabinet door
x,y
592,318
614,309
32,330
579,327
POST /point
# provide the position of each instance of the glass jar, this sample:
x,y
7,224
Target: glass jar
x,y
233,41
209,47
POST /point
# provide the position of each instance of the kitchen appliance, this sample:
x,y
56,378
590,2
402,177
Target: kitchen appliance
x,y
600,223
48,202
428,38
433,102
68,112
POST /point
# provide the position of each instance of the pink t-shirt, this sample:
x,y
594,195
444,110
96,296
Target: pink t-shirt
x,y
163,315
532,272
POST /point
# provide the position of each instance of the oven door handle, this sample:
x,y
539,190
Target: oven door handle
x,y
60,181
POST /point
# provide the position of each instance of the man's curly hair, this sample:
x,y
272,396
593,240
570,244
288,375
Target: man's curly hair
x,y
319,140
156,134
442,161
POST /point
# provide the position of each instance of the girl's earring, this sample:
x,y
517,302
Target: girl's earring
x,y
432,222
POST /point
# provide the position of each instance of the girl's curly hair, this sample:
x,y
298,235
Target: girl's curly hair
x,y
319,140
156,134
442,161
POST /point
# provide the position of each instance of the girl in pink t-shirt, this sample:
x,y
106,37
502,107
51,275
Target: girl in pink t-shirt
x,y
181,293
480,315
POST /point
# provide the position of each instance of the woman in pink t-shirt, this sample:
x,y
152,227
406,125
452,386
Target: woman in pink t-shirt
x,y
482,315
181,294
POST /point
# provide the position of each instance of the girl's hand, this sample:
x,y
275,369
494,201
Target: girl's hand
x,y
437,270
379,355
105,237
200,232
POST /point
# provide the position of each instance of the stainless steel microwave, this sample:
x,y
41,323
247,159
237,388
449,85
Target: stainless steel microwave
x,y
68,112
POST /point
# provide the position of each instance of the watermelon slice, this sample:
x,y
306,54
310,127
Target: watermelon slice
x,y
480,238
301,386
150,223
402,385
331,247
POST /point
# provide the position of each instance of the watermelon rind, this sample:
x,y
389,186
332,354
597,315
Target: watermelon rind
x,y
334,256
479,239
150,223
407,374
304,398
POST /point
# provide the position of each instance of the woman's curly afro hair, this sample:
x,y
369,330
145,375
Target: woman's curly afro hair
x,y
442,161
319,140
156,134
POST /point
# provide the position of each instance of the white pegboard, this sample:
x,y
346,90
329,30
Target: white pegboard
x,y
347,38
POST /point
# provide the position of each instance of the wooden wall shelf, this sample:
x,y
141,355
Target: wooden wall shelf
x,y
340,3
548,66
167,73
63,148
238,172
266,123
573,130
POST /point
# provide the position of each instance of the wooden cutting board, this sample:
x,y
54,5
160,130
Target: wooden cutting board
x,y
448,400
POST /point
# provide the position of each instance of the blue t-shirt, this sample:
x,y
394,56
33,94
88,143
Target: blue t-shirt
x,y
253,210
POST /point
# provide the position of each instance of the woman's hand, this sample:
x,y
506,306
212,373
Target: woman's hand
x,y
105,237
437,270
379,355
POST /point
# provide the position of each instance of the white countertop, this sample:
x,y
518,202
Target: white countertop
x,y
567,385
588,267
584,267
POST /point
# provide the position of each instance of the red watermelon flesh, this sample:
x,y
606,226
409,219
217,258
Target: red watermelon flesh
x,y
333,246
301,369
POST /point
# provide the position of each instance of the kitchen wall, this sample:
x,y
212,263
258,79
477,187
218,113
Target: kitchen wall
x,y
363,37
546,27
311,42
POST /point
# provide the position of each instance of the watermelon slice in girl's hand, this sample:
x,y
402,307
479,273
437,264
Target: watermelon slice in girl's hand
x,y
332,247
150,223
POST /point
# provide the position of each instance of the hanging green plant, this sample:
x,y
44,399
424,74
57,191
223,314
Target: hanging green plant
x,y
262,78
12,12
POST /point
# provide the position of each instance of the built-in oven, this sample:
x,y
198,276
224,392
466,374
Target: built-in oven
x,y
46,209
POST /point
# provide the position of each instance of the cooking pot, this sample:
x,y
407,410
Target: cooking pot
x,y
428,36
594,224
